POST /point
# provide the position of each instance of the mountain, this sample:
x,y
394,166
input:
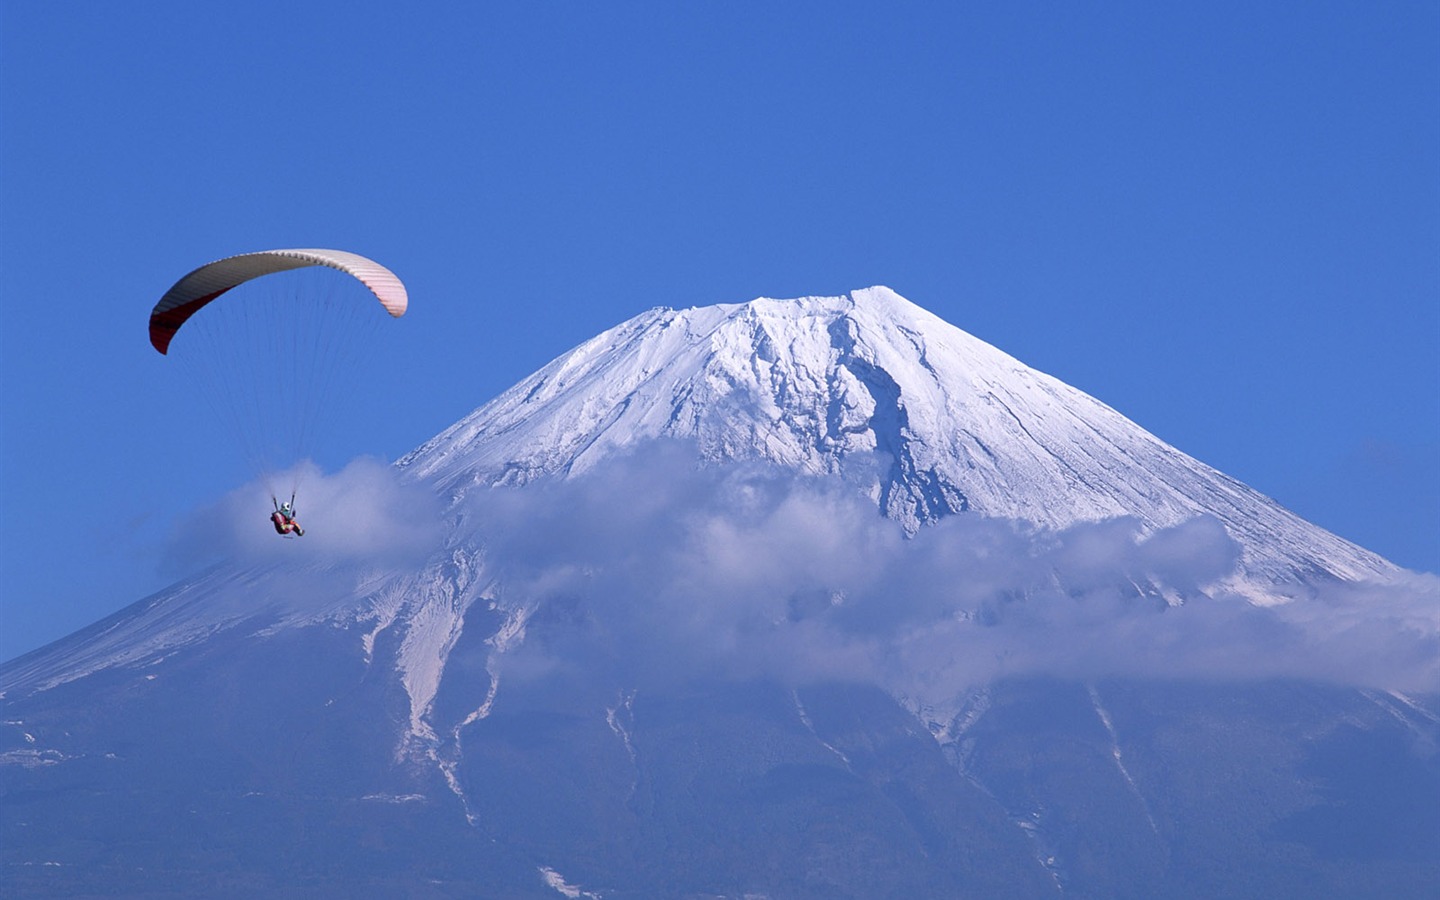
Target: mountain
x,y
659,641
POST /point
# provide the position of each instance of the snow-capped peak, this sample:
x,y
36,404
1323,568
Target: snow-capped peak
x,y
937,421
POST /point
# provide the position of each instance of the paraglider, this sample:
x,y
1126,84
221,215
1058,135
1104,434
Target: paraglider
x,y
276,358
283,518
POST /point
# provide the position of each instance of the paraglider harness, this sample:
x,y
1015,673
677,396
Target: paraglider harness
x,y
283,518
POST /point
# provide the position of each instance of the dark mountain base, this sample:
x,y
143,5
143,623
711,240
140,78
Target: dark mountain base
x,y
263,773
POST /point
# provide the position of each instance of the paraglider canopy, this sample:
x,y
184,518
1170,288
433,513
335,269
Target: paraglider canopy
x,y
278,357
194,291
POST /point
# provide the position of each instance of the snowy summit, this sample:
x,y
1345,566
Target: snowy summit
x,y
871,386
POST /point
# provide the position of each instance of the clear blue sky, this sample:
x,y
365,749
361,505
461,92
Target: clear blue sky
x,y
1222,219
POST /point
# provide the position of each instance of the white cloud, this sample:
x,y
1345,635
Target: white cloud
x,y
657,573
741,571
362,514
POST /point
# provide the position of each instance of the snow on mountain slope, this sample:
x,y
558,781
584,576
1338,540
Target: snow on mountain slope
x,y
872,386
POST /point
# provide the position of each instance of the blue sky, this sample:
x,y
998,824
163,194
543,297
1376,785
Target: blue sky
x,y
1220,219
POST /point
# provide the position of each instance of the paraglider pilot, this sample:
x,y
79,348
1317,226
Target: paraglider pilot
x,y
284,518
